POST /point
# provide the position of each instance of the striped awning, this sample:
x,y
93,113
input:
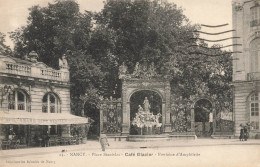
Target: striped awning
x,y
33,118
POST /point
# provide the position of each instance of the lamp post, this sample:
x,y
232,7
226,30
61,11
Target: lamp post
x,y
83,98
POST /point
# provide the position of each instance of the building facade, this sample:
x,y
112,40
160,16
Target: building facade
x,y
35,100
246,64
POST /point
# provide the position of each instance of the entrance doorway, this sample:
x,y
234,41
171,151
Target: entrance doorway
x,y
137,100
203,118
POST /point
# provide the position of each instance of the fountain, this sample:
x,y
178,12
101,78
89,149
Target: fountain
x,y
144,119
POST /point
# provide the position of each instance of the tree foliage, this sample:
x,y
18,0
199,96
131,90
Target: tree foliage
x,y
60,29
140,31
4,49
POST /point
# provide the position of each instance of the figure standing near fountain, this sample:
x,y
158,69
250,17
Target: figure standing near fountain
x,y
146,105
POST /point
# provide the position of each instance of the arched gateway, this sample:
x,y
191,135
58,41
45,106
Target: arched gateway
x,y
137,115
150,96
144,78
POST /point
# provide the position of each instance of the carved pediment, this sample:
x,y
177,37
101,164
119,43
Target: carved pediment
x,y
141,71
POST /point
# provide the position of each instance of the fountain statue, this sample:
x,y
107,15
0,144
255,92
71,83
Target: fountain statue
x,y
146,105
145,119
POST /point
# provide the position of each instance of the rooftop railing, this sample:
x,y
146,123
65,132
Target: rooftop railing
x,y
36,72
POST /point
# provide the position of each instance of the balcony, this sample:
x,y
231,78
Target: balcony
x,y
255,23
253,76
37,71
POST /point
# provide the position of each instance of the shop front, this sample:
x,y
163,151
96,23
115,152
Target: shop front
x,y
25,129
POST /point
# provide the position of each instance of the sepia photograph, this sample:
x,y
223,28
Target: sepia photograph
x,y
122,83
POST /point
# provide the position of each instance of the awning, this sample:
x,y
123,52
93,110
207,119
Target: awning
x,y
30,118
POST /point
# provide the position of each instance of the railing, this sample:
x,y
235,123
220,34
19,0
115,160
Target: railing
x,y
253,76
36,72
18,69
51,74
20,106
255,23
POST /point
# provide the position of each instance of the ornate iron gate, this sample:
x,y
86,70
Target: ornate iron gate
x,y
111,116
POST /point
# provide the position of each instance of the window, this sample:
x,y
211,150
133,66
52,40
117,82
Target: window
x,y
255,16
17,100
254,110
50,103
255,55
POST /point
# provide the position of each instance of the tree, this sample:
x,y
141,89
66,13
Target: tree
x,y
139,31
4,50
60,29
52,31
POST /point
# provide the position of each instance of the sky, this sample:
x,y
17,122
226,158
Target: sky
x,y
14,13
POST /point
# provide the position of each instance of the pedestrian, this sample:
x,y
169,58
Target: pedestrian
x,y
242,133
103,141
46,139
246,134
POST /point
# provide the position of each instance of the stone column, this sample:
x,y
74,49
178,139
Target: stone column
x,y
126,120
125,109
101,118
167,126
163,114
192,115
214,120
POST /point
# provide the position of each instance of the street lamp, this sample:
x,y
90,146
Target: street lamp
x,y
83,98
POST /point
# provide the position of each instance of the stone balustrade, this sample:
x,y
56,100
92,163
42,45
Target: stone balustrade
x,y
253,76
36,72
18,69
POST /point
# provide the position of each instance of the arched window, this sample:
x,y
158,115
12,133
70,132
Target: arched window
x,y
254,110
50,103
255,55
17,100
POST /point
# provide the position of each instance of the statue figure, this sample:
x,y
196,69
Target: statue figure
x,y
146,105
33,56
122,70
151,71
140,108
136,70
63,62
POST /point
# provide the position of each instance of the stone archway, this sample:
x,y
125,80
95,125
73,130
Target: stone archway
x,y
155,108
131,85
200,112
144,77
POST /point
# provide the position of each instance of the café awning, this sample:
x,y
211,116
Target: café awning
x,y
30,118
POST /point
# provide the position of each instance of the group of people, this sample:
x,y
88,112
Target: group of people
x,y
244,132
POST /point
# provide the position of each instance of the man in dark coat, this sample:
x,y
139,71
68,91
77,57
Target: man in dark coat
x,y
242,133
246,131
